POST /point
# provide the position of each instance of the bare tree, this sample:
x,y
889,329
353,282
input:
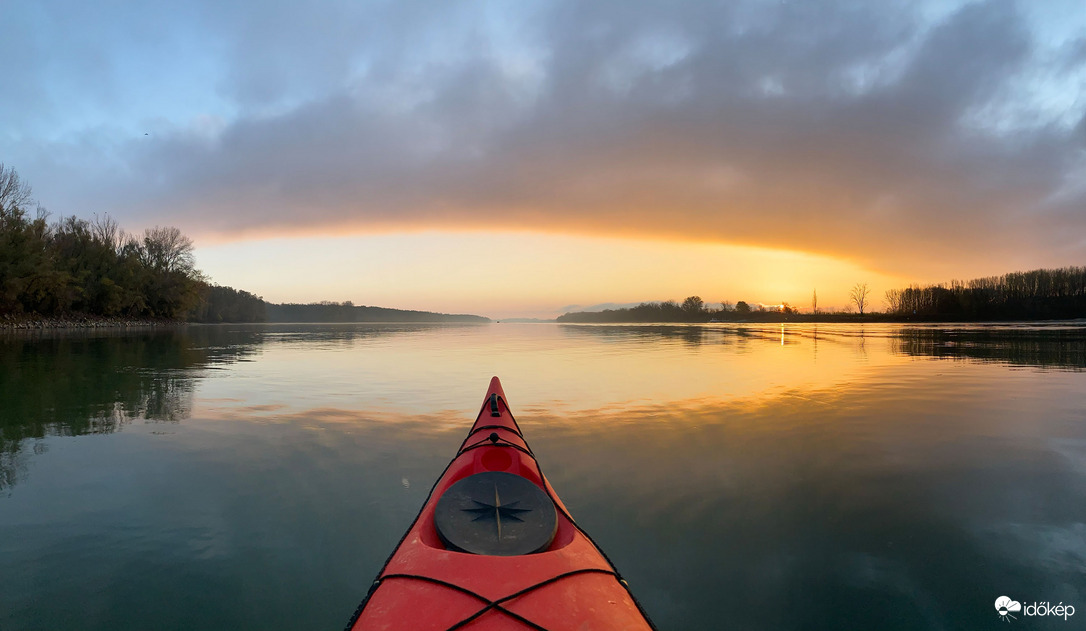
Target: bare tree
x,y
167,249
895,302
858,296
14,192
105,230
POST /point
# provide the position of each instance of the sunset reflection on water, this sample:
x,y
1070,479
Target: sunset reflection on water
x,y
828,472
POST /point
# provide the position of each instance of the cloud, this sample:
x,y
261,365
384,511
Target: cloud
x,y
879,132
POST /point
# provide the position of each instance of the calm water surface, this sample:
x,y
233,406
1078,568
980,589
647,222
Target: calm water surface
x,y
740,476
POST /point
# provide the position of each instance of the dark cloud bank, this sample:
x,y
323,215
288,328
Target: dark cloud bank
x,y
853,128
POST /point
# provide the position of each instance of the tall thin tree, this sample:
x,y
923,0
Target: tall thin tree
x,y
858,296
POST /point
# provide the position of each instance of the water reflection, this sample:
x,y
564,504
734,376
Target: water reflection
x,y
1059,346
97,381
91,382
864,507
1056,347
692,335
810,476
342,335
94,381
649,334
75,384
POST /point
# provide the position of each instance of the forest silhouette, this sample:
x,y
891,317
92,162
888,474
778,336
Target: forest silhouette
x,y
72,269
1042,294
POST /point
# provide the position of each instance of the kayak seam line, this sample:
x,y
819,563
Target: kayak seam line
x,y
482,427
497,604
486,442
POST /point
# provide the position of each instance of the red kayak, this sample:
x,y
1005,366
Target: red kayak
x,y
493,548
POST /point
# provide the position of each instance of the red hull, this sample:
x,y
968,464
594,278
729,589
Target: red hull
x,y
426,587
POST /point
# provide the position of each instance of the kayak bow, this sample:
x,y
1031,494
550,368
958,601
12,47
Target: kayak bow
x,y
493,548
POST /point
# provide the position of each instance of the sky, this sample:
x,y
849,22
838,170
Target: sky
x,y
517,158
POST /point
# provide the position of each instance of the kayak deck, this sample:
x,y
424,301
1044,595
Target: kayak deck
x,y
428,585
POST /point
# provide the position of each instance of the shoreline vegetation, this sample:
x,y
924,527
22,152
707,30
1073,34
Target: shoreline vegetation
x,y
75,273
298,313
32,322
1043,294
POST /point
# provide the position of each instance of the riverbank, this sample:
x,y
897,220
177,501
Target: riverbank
x,y
32,322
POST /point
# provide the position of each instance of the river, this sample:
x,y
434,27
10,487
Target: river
x,y
739,476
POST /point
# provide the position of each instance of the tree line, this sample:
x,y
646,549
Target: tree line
x,y
73,266
1038,294
692,309
349,312
1042,294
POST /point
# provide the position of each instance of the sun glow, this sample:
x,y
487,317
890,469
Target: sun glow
x,y
510,274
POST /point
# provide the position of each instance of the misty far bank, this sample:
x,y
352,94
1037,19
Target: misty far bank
x,y
1041,294
349,312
